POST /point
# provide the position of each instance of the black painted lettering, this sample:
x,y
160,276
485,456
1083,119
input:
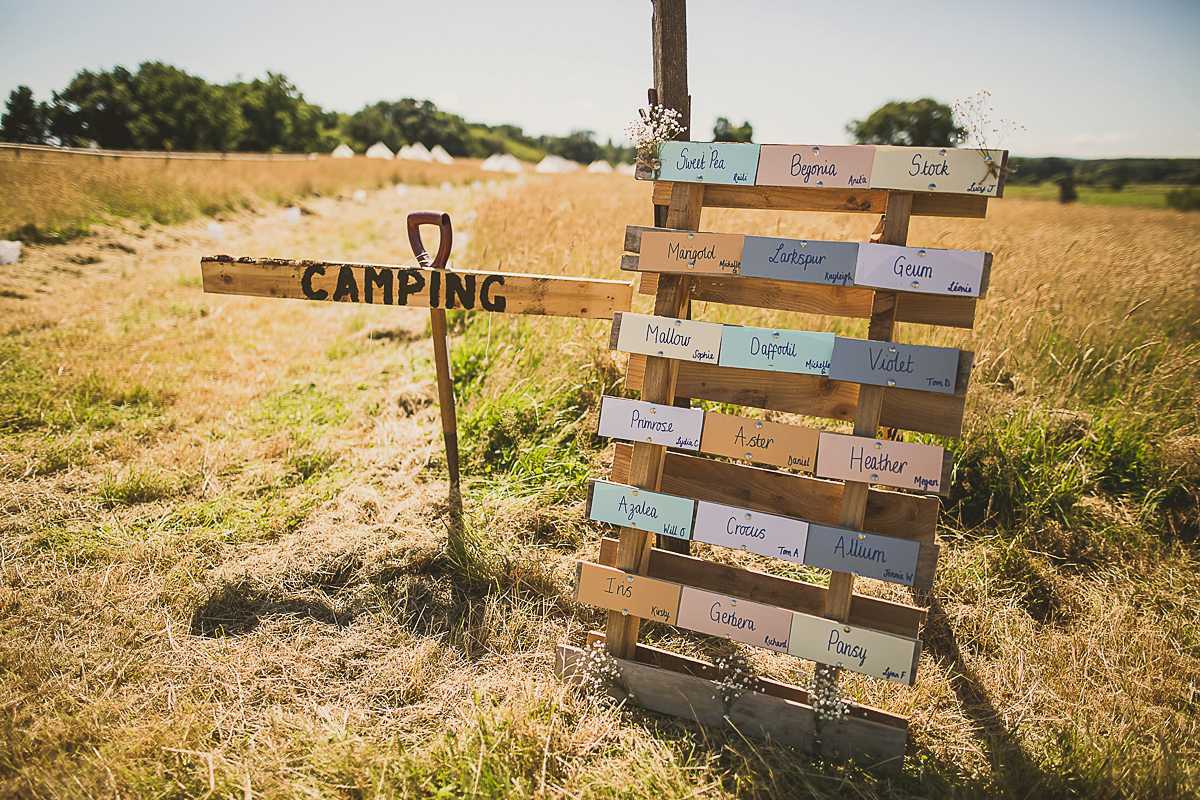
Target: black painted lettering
x,y
486,300
462,287
411,282
306,284
347,287
435,289
382,278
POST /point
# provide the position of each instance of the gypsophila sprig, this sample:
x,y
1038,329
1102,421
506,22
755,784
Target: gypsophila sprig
x,y
600,675
736,678
654,125
828,702
974,115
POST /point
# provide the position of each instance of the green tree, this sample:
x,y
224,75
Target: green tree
x,y
24,121
178,111
579,146
916,123
278,119
724,131
96,106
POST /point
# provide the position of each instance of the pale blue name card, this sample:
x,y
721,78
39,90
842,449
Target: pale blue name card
x,y
643,509
709,162
831,263
799,352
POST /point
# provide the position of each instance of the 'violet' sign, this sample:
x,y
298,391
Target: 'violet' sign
x,y
905,366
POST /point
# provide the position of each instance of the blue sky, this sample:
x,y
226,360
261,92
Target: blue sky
x,y
1087,78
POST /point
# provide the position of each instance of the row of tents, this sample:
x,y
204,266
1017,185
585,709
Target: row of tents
x,y
498,162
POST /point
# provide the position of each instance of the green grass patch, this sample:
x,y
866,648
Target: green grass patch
x,y
1133,195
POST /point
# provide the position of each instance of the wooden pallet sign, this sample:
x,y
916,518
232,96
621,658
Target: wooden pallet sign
x,y
854,502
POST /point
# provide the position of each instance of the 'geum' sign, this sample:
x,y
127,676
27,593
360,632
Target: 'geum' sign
x,y
920,269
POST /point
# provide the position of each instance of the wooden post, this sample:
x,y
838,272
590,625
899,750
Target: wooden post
x,y
870,402
669,24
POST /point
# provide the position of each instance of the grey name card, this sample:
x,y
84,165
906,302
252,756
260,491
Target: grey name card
x,y
866,554
905,366
802,260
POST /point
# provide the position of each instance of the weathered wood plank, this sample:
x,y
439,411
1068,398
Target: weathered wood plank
x,y
812,395
811,298
807,598
388,284
751,713
905,516
803,198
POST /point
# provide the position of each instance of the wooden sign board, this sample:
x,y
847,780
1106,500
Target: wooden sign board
x,y
752,531
709,162
906,366
798,352
637,421
690,251
802,260
631,507
937,169
815,165
740,620
760,441
635,595
683,339
920,269
885,558
905,465
881,655
392,285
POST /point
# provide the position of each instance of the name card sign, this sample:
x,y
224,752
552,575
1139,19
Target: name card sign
x,y
777,350
630,507
636,421
885,558
753,531
815,165
709,162
869,652
905,366
617,590
760,441
920,269
690,251
905,465
936,169
741,620
683,339
802,260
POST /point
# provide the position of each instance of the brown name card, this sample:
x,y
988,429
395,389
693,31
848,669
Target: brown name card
x,y
634,595
759,441
904,465
691,251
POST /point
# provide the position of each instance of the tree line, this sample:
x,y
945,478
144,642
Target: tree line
x,y
161,107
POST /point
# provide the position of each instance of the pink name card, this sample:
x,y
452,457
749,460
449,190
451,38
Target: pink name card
x,y
741,620
828,166
905,465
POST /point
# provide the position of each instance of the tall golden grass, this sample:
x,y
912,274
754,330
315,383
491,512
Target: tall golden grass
x,y
224,567
50,196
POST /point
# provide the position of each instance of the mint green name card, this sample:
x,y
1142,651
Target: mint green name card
x,y
777,350
709,162
642,509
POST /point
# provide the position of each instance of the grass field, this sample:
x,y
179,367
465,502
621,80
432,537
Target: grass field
x,y
223,558
1147,195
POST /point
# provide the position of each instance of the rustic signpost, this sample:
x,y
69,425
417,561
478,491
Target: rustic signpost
x,y
820,502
